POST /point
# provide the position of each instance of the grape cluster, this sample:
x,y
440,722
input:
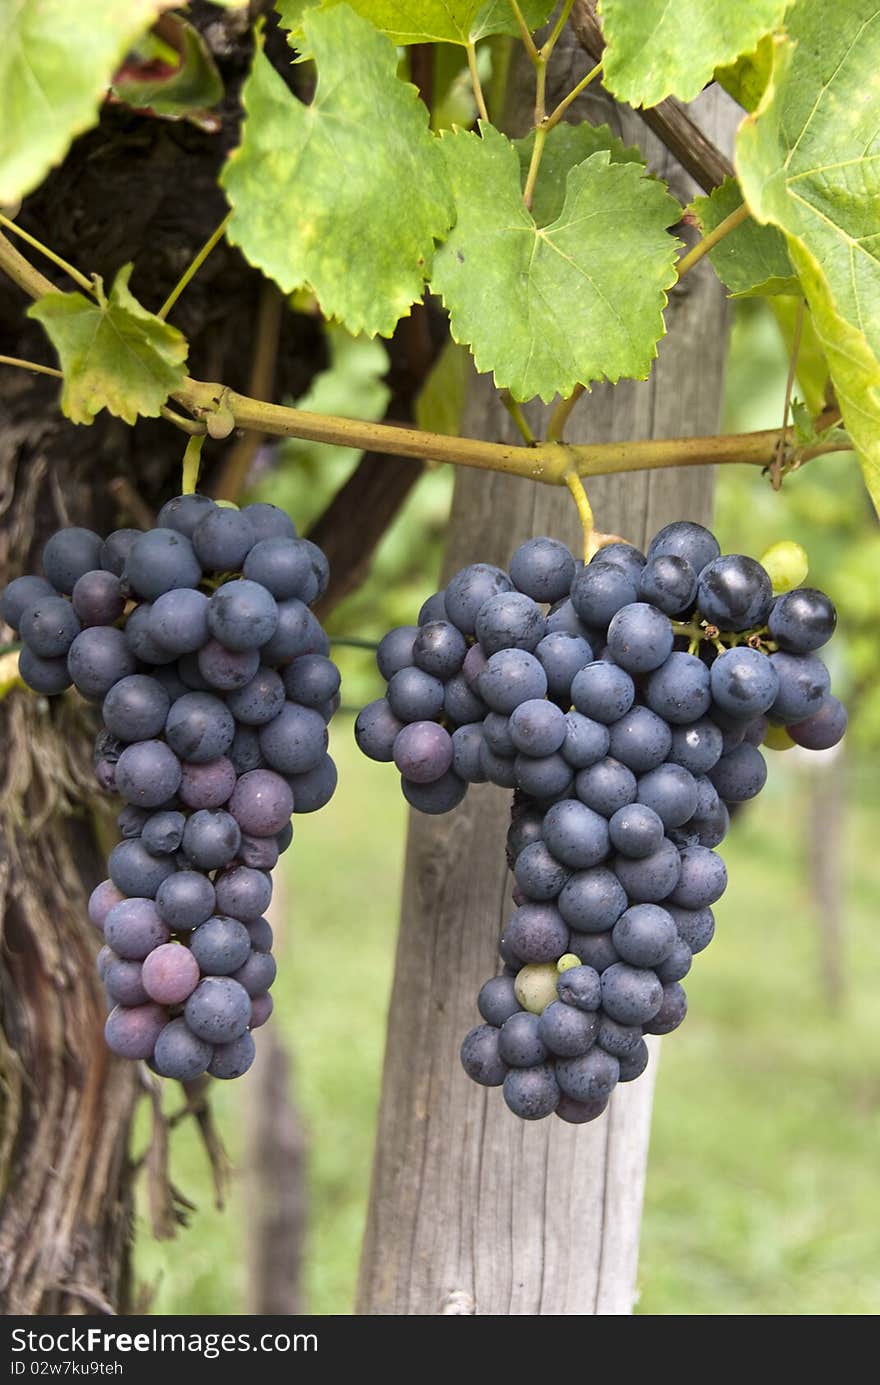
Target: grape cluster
x,y
624,701
197,640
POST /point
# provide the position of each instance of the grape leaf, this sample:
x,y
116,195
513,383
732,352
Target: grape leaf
x,y
812,367
746,79
657,48
751,260
56,62
546,308
565,146
428,21
182,87
348,194
809,162
114,354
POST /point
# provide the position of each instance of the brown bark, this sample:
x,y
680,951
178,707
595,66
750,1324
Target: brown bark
x,y
132,189
472,1211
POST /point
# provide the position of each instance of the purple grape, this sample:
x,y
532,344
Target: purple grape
x,y
179,1054
211,838
219,947
480,1057
68,555
170,973
295,741
261,802
233,1060
219,1009
147,773
257,973
185,900
243,893
49,626
207,785
134,927
423,752
131,1032
242,615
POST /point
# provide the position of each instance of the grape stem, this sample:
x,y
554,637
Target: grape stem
x,y
192,459
69,269
709,241
194,266
584,509
547,462
514,408
471,50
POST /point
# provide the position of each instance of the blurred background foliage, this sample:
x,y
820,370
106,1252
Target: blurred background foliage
x,y
762,1196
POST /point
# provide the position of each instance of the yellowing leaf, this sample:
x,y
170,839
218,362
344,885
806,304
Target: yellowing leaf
x,y
347,195
56,61
546,308
114,354
428,21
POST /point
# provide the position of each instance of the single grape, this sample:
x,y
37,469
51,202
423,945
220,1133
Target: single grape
x,y
595,950
677,964
580,1112
606,786
591,902
243,893
543,569
635,830
261,802
672,793
804,684
159,560
600,590
136,708
562,656
586,741
440,797
519,1043
684,539
133,928
179,1054
135,872
162,833
284,567
271,522
98,598
739,775
219,1009
226,669
537,933
297,632
469,589
634,1064
630,995
668,582
565,1030
257,973
185,900
123,981
98,658
68,555
21,593
131,1032
223,539
823,728
376,730
147,773
511,676
537,727
439,648
640,638
295,740
207,785
671,1012
116,548
703,878
261,1010
697,747
233,1060
219,947
211,838
641,740
575,834
539,875
199,727
466,763
544,777
580,986
649,879
260,853
315,787
745,684
170,974
47,676
311,680
590,1077
245,750
101,901
414,695
423,752
395,650
563,619
242,615
679,691
509,620
497,1000
496,730
178,620
644,935
734,593
802,621
695,926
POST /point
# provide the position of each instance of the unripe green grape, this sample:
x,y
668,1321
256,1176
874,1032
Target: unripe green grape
x,y
786,565
777,738
567,962
535,986
227,504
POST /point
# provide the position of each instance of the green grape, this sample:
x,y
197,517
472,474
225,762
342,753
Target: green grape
x,y
777,738
786,565
567,962
535,986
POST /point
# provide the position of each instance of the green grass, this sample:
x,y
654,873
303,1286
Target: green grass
x,y
762,1194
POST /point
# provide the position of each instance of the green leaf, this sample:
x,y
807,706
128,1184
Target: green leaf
x,y
565,146
657,48
184,88
746,79
56,61
428,21
809,163
546,308
806,434
113,353
346,195
752,260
